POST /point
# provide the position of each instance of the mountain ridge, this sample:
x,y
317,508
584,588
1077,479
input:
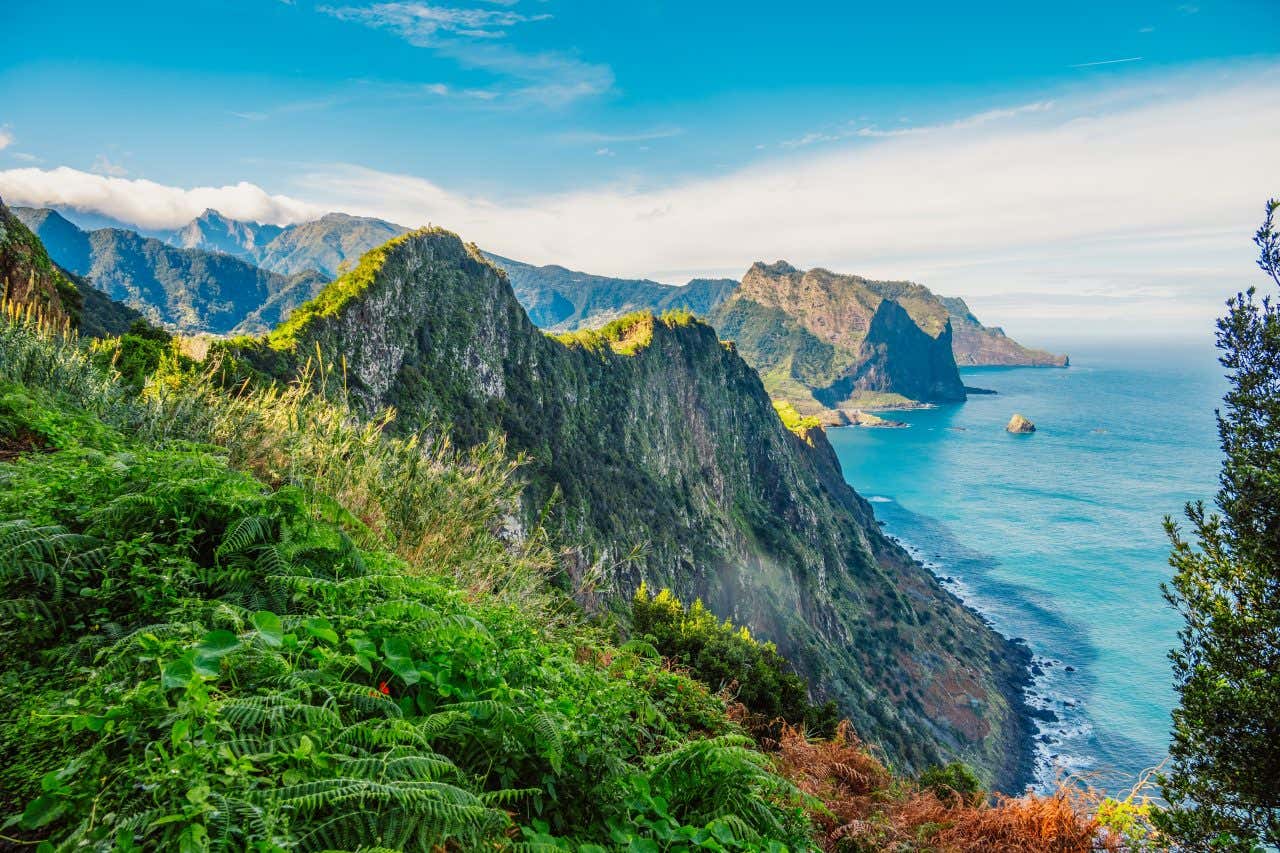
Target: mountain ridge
x,y
652,431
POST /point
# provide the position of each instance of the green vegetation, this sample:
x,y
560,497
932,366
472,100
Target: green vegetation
x,y
668,464
337,294
731,661
1222,784
137,353
794,421
214,639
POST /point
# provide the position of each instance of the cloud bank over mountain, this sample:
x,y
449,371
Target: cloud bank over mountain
x,y
1144,195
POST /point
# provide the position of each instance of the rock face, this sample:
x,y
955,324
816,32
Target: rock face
x,y
651,430
1019,424
821,340
213,232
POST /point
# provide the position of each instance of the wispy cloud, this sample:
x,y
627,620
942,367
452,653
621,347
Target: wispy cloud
x,y
476,38
103,165
6,138
591,137
1106,62
427,25
24,156
852,129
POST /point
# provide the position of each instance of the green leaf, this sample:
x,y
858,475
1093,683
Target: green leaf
x,y
217,644
269,628
41,811
178,673
321,629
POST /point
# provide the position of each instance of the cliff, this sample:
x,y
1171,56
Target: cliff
x,y
824,341
651,431
976,345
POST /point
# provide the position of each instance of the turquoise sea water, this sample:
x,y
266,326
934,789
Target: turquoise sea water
x,y
1056,537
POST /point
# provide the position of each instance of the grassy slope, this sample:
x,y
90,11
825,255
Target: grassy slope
x,y
349,656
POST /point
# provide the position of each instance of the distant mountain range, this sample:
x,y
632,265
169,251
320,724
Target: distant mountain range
x,y
563,300
825,343
29,277
192,290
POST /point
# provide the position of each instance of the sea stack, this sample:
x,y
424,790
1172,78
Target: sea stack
x,y
1019,424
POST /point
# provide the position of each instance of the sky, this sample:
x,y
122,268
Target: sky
x,y
1072,169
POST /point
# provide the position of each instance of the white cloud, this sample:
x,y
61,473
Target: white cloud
x,y
24,156
1138,186
592,137
968,122
6,138
425,24
146,203
1140,202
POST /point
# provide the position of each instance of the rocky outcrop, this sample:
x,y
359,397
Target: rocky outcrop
x,y
652,431
1019,424
824,341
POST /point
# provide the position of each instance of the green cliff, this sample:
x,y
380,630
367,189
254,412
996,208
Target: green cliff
x,y
28,276
651,432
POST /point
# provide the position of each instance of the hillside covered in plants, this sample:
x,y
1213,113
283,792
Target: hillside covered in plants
x,y
655,455
240,618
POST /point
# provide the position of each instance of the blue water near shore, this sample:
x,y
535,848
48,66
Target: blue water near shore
x,y
1056,537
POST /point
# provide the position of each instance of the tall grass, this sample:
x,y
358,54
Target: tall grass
x,y
443,509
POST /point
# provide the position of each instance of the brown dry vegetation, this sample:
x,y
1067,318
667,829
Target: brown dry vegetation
x,y
859,805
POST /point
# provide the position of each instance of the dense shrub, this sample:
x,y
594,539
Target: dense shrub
x,y
729,659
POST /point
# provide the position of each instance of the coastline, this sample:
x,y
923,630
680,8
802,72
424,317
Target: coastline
x,y
1020,771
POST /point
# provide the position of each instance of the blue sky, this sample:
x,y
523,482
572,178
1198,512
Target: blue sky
x,y
567,131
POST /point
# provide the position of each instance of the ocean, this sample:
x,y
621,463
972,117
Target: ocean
x,y
1056,536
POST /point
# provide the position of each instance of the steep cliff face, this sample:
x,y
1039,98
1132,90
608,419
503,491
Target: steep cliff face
x,y
651,431
824,341
976,345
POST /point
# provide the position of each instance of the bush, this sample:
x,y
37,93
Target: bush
x,y
729,659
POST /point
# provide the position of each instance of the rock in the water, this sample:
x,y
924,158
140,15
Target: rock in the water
x,y
1018,423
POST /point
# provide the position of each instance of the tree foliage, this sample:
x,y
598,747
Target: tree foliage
x,y
1224,781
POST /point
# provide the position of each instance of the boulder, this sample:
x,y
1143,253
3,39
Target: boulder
x,y
1019,424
